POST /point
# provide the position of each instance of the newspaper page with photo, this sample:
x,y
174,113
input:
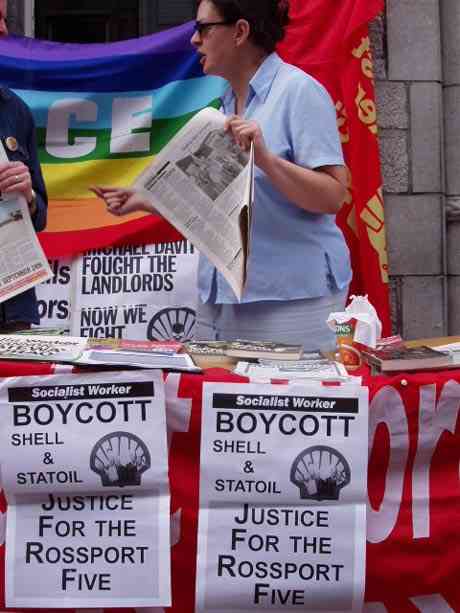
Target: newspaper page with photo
x,y
202,183
85,471
22,261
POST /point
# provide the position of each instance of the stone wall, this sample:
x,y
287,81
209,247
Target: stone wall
x,y
450,28
409,88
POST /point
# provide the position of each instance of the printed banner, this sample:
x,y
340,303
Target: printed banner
x,y
145,292
413,506
103,111
85,472
136,292
282,518
53,296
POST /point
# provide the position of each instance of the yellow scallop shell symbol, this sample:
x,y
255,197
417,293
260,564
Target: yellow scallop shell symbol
x,y
11,143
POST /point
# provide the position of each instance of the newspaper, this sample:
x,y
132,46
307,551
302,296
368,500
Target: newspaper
x,y
318,370
22,261
203,184
83,351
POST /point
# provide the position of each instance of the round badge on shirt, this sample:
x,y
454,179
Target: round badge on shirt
x,y
11,143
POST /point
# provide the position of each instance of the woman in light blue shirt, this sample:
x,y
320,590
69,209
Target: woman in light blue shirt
x,y
299,266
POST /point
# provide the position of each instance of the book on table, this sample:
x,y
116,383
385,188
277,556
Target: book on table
x,y
244,349
392,359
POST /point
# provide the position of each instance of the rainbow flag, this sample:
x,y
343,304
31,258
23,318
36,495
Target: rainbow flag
x,y
102,112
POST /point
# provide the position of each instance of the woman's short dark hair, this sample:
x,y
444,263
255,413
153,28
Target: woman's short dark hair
x,y
267,18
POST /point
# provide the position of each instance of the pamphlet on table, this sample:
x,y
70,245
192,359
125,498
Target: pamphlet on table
x,y
320,369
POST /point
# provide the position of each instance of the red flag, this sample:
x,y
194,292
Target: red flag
x,y
330,41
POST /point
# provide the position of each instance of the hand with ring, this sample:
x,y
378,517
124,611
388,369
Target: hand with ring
x,y
15,177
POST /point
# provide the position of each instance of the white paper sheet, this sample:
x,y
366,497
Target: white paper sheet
x,y
282,498
84,469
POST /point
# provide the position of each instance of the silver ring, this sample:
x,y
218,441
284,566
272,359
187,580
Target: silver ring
x,y
17,179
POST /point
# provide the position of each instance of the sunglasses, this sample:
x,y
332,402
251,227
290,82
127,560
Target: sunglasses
x,y
201,26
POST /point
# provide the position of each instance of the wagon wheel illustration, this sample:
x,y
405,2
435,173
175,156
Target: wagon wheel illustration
x,y
172,323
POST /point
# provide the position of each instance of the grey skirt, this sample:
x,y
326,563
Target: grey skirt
x,y
286,321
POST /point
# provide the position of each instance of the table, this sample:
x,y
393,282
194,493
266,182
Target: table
x,y
413,487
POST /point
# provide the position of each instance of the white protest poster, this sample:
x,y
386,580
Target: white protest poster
x,y
283,481
53,296
144,292
84,469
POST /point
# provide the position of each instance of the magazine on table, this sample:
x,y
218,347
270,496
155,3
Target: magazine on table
x,y
203,184
23,263
317,370
82,351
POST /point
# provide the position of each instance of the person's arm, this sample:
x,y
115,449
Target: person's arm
x,y
38,200
122,201
321,190
22,173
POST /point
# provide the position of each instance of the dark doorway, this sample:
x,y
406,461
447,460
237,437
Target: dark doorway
x,y
103,21
162,14
87,21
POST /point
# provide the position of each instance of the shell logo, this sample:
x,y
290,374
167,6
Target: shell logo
x,y
320,473
120,458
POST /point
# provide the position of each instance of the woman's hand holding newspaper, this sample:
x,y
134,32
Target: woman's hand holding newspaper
x,y
122,201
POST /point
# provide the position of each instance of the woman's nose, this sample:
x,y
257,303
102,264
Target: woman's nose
x,y
195,39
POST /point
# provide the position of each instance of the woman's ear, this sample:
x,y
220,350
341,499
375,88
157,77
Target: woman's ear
x,y
242,31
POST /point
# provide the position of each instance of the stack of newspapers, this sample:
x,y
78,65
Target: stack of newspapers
x,y
311,367
167,355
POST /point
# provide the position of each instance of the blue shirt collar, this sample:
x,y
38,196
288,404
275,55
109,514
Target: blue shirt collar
x,y
261,82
